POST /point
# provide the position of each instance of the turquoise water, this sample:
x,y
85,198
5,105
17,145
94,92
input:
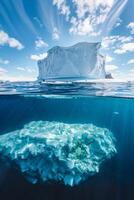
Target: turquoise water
x,y
108,107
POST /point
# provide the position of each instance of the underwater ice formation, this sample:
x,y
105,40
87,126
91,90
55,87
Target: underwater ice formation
x,y
47,151
79,61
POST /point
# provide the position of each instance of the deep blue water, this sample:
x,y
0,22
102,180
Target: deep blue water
x,y
104,105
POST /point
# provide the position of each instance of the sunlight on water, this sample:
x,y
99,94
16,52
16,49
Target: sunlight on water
x,y
92,88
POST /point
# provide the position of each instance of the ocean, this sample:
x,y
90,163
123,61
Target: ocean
x,y
104,107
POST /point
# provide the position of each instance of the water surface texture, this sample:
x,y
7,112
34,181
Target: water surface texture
x,y
66,140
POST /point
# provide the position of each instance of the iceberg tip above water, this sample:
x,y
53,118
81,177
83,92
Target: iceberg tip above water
x,y
47,151
81,60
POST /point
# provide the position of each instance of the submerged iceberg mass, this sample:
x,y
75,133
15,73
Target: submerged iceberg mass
x,y
55,151
79,61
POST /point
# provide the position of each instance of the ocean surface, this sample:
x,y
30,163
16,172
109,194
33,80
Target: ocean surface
x,y
107,105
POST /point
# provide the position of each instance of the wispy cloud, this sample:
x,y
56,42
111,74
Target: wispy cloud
x,y
131,70
26,69
89,16
5,15
84,17
124,48
5,39
35,57
2,70
6,77
118,23
113,15
115,42
82,27
110,68
95,18
4,62
40,43
21,11
20,68
109,59
46,18
38,21
31,70
56,34
62,7
131,61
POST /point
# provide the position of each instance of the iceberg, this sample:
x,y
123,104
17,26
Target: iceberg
x,y
55,151
81,60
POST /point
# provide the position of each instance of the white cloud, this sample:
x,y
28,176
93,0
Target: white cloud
x,y
5,39
124,39
130,75
130,26
115,41
89,16
108,59
108,41
118,23
124,48
119,51
132,70
39,56
118,44
40,43
26,69
131,61
111,67
3,73
20,68
62,7
86,6
4,62
6,77
56,34
31,70
2,70
82,27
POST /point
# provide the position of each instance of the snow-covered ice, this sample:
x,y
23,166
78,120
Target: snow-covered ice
x,y
82,60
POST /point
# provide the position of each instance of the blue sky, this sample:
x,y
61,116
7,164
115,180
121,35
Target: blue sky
x,y
28,28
